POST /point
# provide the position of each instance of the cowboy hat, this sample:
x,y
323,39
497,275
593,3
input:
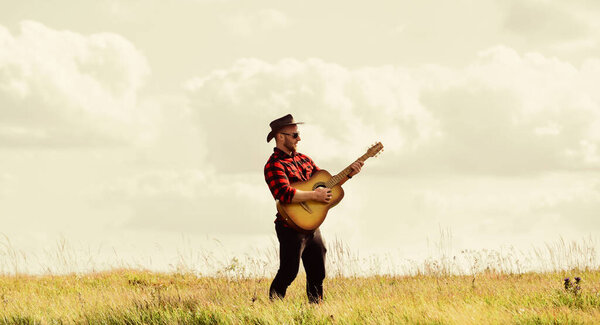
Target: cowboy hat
x,y
279,123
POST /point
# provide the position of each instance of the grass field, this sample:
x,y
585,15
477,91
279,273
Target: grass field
x,y
479,287
137,297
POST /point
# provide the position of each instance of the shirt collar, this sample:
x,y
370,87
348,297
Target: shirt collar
x,y
280,152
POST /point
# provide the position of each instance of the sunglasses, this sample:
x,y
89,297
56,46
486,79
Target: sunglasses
x,y
295,135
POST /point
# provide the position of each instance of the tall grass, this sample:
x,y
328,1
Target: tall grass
x,y
342,260
466,287
138,297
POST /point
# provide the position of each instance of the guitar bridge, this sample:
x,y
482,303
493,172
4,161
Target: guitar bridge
x,y
306,207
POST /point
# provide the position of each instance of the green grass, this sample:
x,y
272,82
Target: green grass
x,y
141,297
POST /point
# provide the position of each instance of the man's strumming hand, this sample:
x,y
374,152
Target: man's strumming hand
x,y
322,194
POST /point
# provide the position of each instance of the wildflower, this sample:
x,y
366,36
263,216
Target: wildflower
x,y
571,287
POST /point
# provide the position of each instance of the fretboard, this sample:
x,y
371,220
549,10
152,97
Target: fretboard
x,y
344,173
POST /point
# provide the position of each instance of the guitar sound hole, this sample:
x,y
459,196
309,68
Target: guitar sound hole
x,y
318,185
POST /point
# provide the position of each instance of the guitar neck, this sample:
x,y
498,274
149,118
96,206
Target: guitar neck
x,y
344,173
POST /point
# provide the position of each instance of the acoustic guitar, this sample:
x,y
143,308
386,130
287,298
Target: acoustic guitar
x,y
309,215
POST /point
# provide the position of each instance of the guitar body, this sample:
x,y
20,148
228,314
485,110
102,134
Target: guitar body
x,y
308,216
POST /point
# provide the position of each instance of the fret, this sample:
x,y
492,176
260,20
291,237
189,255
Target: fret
x,y
344,173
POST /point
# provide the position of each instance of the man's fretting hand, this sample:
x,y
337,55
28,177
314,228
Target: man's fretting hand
x,y
323,194
356,166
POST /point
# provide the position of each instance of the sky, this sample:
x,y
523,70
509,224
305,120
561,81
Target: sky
x,y
133,132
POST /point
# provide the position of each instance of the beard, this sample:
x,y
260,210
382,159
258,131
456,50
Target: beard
x,y
290,145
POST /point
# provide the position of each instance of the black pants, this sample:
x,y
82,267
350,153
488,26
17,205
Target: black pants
x,y
293,246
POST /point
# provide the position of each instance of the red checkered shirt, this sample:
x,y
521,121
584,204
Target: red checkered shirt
x,y
282,169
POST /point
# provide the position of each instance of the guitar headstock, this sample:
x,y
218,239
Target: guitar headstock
x,y
375,149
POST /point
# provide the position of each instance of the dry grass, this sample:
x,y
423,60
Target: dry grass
x,y
471,287
138,297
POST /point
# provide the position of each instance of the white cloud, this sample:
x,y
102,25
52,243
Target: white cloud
x,y
481,211
5,183
66,89
249,23
492,112
346,109
505,113
567,28
545,21
192,201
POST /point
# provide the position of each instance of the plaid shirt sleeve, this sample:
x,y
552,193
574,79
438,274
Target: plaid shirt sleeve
x,y
278,182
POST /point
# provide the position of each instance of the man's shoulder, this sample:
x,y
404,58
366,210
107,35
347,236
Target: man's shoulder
x,y
273,159
277,157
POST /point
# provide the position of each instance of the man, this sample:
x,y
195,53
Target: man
x,y
286,166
